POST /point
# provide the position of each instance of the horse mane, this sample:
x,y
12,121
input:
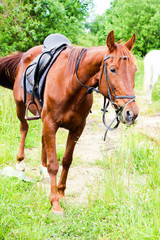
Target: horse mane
x,y
8,67
121,50
73,59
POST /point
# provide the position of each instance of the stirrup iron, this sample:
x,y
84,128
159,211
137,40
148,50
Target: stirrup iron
x,y
37,116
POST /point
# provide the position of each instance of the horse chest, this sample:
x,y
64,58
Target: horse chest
x,y
71,120
75,112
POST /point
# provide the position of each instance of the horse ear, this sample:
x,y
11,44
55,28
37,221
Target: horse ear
x,y
130,43
110,41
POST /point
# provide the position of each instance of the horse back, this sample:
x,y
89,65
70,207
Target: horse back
x,y
153,57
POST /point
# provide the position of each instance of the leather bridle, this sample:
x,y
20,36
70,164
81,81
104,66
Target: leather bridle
x,y
118,108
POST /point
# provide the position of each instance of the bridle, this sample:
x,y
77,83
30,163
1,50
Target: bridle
x,y
118,109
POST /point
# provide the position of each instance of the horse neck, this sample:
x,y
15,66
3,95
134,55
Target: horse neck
x,y
90,64
8,67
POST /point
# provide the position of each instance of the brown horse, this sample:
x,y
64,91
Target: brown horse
x,y
67,103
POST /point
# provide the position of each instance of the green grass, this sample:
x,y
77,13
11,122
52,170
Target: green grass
x,y
125,204
10,132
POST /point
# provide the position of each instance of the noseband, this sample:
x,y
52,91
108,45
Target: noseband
x,y
118,109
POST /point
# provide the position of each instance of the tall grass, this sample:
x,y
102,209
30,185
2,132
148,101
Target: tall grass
x,y
125,204
131,189
8,127
10,131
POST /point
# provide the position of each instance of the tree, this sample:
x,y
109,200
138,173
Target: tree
x,y
25,23
126,17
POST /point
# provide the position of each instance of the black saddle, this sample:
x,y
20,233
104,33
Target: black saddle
x,y
34,77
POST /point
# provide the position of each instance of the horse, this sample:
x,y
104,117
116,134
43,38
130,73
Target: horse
x,y
68,97
151,72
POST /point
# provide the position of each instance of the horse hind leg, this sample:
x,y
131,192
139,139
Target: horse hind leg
x,y
154,80
67,159
43,166
147,80
20,107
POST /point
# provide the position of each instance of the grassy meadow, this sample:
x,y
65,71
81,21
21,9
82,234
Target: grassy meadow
x,y
124,204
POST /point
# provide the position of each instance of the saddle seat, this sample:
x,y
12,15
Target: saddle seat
x,y
55,41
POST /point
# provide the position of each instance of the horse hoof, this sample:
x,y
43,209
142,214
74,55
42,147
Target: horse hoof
x,y
56,208
58,213
20,166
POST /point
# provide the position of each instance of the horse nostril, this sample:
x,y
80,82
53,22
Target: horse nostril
x,y
129,115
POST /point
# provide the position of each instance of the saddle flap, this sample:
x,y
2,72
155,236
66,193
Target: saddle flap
x,y
55,41
42,64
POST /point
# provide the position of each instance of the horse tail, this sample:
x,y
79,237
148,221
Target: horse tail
x,y
8,67
147,73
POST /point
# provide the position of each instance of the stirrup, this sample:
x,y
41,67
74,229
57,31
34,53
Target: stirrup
x,y
37,116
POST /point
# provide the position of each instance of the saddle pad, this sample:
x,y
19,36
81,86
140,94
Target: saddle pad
x,y
30,71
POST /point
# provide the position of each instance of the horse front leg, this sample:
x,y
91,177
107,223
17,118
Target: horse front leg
x,y
49,134
67,159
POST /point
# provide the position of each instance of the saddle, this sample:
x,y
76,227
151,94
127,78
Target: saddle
x,y
33,80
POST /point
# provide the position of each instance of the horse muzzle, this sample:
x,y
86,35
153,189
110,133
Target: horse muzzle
x,y
129,114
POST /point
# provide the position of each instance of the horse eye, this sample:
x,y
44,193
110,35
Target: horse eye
x,y
113,70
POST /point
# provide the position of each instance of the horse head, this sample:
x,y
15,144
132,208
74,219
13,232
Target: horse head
x,y
117,81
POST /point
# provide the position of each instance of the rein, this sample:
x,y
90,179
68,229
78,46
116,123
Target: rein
x,y
118,109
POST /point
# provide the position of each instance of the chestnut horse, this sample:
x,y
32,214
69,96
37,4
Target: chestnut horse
x,y
67,103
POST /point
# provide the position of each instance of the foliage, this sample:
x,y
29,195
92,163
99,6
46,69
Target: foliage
x,y
26,23
126,17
